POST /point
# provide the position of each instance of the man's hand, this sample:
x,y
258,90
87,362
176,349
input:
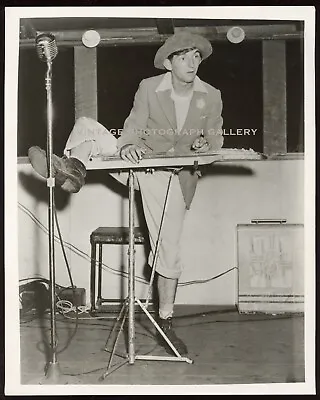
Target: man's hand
x,y
200,145
132,153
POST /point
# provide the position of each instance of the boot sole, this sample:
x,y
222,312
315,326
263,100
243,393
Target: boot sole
x,y
67,181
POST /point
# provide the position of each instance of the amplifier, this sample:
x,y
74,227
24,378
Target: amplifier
x,y
270,267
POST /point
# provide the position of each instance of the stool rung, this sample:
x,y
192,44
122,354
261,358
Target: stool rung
x,y
113,306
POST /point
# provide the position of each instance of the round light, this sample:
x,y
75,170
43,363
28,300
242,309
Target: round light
x,y
91,38
235,34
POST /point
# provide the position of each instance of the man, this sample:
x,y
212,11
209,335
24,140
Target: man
x,y
172,113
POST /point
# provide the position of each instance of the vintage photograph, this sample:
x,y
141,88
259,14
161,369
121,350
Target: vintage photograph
x,y
158,163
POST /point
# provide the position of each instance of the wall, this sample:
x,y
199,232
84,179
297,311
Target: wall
x,y
227,195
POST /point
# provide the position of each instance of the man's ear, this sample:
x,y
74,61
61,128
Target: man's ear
x,y
167,64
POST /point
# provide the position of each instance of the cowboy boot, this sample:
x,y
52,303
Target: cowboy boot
x,y
69,173
167,328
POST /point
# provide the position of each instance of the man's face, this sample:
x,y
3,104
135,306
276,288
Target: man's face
x,y
184,67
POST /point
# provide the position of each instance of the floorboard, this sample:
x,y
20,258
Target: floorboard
x,y
226,347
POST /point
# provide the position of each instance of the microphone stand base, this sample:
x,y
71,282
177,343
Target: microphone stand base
x,y
55,377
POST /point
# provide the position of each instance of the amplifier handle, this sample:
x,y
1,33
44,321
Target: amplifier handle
x,y
269,221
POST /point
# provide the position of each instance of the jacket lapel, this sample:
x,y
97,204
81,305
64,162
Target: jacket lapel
x,y
167,106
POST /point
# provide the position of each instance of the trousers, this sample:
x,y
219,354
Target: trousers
x,y
153,188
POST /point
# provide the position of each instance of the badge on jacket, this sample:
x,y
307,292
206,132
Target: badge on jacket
x,y
200,103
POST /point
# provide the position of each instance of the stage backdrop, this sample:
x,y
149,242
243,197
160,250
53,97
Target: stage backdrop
x,y
236,70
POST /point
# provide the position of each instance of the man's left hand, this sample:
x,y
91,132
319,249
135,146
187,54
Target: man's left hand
x,y
200,145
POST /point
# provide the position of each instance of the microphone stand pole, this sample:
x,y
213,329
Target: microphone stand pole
x,y
53,375
52,371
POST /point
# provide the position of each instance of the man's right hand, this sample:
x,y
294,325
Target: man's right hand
x,y
132,153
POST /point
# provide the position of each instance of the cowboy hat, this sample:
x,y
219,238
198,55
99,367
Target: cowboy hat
x,y
180,41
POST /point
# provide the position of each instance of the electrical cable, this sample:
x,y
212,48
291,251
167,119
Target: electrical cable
x,y
71,307
75,249
64,306
70,277
102,325
38,278
62,247
100,369
118,365
61,287
244,318
194,282
84,255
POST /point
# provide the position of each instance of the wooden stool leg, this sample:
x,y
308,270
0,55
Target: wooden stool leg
x,y
99,275
93,277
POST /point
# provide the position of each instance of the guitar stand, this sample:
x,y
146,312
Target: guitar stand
x,y
128,308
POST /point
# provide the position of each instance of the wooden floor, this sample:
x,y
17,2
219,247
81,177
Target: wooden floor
x,y
226,347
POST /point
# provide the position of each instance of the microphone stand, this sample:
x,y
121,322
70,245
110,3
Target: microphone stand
x,y
53,375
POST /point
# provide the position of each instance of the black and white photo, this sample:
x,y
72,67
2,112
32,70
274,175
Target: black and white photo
x,y
159,200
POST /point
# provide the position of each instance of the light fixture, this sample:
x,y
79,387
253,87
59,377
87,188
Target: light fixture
x,y
235,34
91,38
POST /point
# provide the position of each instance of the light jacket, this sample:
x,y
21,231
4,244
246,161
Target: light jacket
x,y
152,125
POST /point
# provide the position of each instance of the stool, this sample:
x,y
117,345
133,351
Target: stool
x,y
101,236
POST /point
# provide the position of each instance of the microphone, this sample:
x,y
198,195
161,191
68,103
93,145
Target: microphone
x,y
46,47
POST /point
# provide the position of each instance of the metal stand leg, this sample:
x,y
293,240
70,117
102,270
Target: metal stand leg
x,y
99,276
93,277
131,291
130,302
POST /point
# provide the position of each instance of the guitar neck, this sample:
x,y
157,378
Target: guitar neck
x,y
163,160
